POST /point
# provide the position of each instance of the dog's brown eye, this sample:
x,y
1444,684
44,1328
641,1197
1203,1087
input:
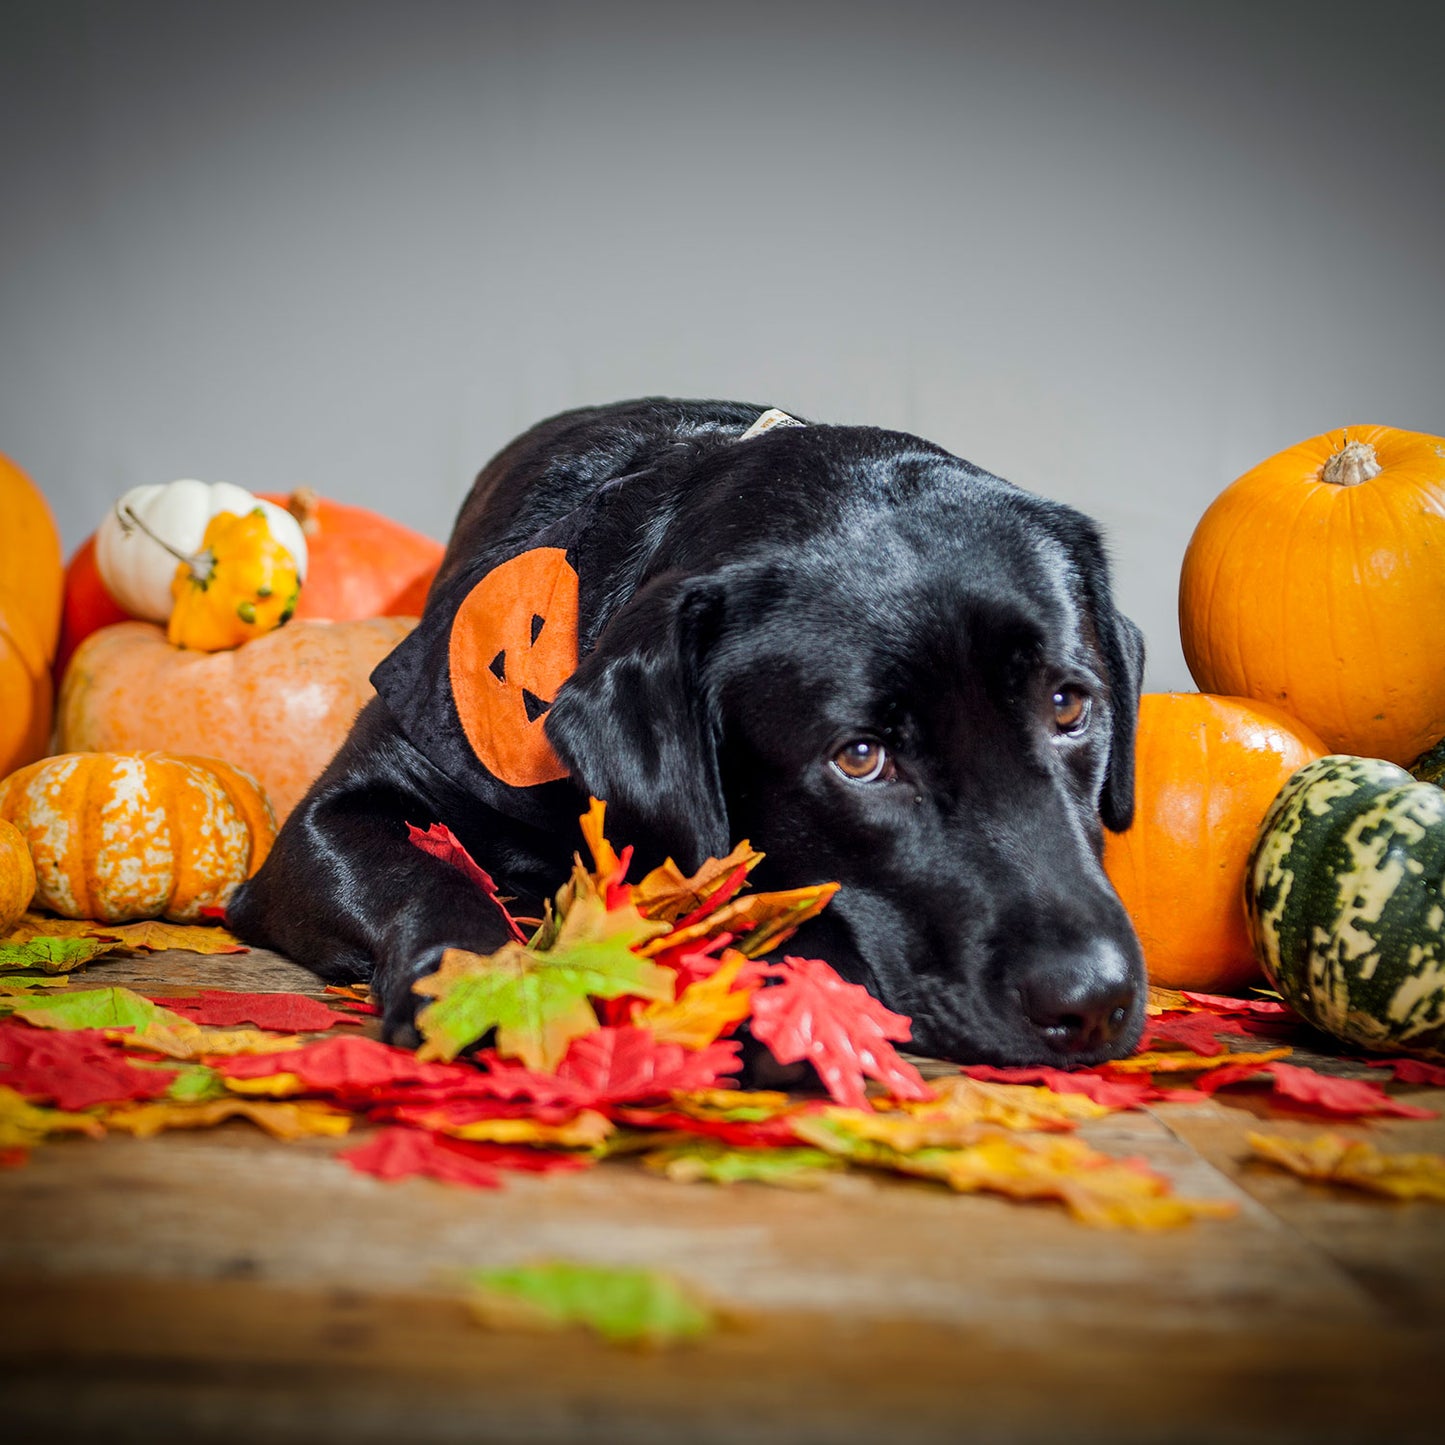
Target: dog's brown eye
x,y
864,760
1071,710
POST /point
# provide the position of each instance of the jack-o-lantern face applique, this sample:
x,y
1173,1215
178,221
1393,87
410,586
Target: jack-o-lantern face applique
x,y
513,645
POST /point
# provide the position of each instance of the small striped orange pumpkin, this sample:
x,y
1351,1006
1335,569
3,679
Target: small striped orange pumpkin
x,y
119,836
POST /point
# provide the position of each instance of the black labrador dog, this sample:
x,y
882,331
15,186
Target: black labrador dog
x,y
880,664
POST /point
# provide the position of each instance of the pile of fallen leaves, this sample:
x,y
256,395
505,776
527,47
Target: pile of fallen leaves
x,y
604,1029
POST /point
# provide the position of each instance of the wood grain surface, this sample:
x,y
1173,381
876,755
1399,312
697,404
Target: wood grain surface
x,y
222,1286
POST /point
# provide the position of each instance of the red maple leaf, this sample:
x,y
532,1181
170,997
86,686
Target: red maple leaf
x,y
401,1153
740,1133
74,1068
1193,1031
287,1013
455,1113
441,842
1319,1093
809,1012
1218,1003
626,1065
1412,1071
1113,1091
350,1068
1349,1097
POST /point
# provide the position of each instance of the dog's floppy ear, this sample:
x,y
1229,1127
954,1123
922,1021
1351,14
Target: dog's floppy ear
x,y
636,725
1122,647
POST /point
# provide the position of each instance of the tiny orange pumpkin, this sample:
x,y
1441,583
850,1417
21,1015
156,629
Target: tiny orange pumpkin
x,y
17,876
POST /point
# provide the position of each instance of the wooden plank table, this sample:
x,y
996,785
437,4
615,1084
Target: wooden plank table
x,y
223,1286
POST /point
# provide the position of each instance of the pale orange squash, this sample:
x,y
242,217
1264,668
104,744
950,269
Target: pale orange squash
x,y
279,706
17,876
119,836
32,580
1206,771
1316,582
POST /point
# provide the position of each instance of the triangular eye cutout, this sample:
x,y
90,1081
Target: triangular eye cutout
x,y
538,622
498,666
534,705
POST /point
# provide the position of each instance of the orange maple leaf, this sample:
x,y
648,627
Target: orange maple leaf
x,y
1183,1062
280,1119
704,1010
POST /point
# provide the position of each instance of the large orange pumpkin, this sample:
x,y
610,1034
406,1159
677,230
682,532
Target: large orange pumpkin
x,y
1316,582
359,564
279,706
118,836
31,581
1207,770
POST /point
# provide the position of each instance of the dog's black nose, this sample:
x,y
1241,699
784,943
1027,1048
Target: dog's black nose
x,y
1082,1004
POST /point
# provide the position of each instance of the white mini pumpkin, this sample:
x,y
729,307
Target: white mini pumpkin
x,y
137,570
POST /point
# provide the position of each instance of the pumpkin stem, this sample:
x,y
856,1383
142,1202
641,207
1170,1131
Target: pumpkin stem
x,y
305,505
1354,463
202,564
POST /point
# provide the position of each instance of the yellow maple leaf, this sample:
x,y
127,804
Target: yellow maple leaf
x,y
18,987
181,1038
155,934
1095,1188
1334,1159
583,1131
38,925
280,1119
268,1086
23,1124
1182,1061
704,1011
737,1105
1167,1000
962,1102
150,934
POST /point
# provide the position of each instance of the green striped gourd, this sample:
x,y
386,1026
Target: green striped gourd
x,y
1345,897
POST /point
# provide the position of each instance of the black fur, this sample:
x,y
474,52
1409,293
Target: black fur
x,y
763,604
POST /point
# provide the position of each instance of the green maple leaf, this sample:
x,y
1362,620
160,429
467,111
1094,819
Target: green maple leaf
x,y
91,1008
789,1168
53,955
624,1306
537,999
193,1083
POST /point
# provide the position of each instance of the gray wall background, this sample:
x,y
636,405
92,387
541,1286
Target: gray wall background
x,y
1115,252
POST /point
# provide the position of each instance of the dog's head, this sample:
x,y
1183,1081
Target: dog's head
x,y
897,672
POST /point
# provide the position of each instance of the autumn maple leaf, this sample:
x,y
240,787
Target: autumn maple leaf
x,y
810,1013
535,997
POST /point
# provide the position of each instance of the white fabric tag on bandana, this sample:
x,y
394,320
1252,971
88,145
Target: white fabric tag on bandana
x,y
767,421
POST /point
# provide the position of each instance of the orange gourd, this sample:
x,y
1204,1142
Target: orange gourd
x,y
120,836
1207,769
278,707
31,582
1316,582
17,876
